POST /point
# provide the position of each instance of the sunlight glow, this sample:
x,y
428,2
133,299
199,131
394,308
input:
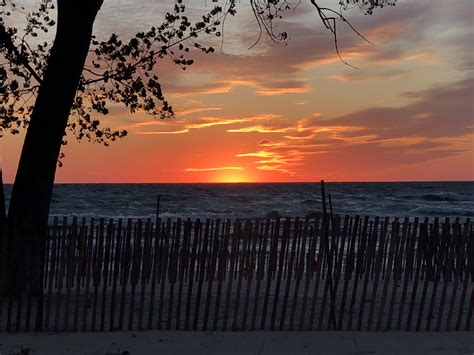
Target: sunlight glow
x,y
233,177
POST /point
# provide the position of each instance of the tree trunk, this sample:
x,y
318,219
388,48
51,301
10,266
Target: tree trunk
x,y
32,190
3,245
3,212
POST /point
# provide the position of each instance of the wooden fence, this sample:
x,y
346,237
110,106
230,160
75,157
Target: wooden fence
x,y
339,273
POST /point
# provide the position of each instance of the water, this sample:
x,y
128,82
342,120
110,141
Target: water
x,y
423,199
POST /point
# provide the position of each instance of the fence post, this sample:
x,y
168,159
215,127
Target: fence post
x,y
158,206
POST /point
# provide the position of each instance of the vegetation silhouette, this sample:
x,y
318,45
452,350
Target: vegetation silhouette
x,y
69,85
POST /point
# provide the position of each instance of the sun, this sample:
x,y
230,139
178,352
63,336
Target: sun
x,y
233,177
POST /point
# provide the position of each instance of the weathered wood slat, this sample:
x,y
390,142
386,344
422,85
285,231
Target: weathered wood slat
x,y
262,254
299,273
80,273
293,253
434,236
88,274
61,273
397,271
250,271
126,258
348,270
115,275
370,254
212,272
144,272
449,257
155,269
419,253
221,272
319,264
310,266
359,266
230,279
424,237
52,271
197,232
164,268
173,270
411,239
202,265
274,245
183,265
282,251
247,231
461,237
97,272
105,277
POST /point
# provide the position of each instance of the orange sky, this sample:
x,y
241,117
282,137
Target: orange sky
x,y
297,113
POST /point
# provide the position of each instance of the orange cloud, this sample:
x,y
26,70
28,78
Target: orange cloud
x,y
283,91
259,129
214,169
197,110
153,133
199,123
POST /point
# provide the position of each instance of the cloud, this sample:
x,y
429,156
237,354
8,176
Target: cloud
x,y
444,110
181,113
259,129
437,123
214,169
221,121
185,126
259,154
284,87
153,133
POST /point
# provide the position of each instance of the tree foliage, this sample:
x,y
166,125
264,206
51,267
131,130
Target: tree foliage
x,y
118,71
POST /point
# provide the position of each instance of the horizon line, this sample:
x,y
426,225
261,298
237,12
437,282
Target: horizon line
x,y
255,182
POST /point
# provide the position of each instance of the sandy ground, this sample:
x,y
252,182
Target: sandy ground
x,y
155,342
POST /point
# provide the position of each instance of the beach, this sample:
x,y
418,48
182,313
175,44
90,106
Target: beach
x,y
165,342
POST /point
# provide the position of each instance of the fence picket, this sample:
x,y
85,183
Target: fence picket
x,y
212,272
155,269
127,252
274,244
223,256
202,265
80,272
164,268
281,264
262,255
241,272
230,279
105,277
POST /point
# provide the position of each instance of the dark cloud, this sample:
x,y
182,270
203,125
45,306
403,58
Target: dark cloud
x,y
443,111
437,124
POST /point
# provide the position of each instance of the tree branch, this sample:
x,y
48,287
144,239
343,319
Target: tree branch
x,y
15,56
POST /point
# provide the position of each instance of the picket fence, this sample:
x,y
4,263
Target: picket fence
x,y
324,273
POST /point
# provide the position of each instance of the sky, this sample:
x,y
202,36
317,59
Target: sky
x,y
296,112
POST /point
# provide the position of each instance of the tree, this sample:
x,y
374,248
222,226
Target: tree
x,y
64,87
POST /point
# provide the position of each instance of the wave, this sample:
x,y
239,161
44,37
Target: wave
x,y
257,200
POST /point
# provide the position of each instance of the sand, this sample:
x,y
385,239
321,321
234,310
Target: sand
x,y
154,342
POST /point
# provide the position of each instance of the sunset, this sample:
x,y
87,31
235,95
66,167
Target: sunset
x,y
295,112
242,177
